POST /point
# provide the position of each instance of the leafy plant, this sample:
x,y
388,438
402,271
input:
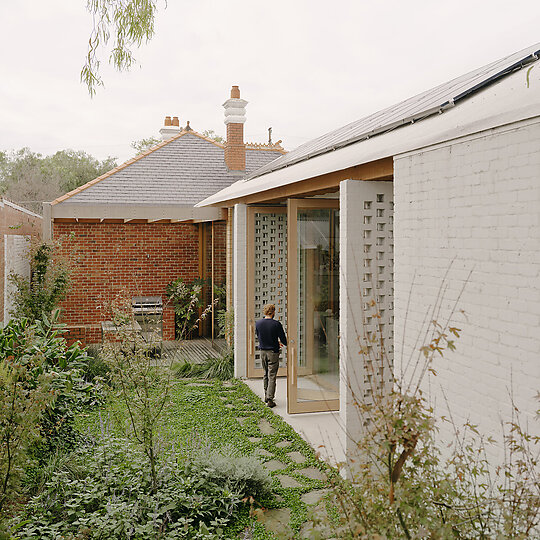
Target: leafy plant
x,y
25,394
106,490
401,485
220,367
130,23
225,320
47,286
42,342
186,299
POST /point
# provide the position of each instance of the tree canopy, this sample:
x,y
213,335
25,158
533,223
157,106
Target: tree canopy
x,y
28,178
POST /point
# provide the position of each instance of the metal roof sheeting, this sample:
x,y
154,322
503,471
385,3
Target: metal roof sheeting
x,y
415,108
504,103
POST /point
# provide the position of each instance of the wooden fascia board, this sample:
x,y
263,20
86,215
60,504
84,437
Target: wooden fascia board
x,y
382,169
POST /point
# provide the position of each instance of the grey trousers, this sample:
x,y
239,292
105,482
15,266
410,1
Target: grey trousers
x,y
270,362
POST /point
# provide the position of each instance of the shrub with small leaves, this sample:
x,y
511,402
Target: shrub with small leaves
x,y
106,491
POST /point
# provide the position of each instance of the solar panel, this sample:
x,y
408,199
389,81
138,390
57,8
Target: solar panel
x,y
413,109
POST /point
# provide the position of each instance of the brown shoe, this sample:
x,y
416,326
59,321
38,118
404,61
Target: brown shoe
x,y
270,403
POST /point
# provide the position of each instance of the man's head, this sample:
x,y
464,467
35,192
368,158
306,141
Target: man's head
x,y
269,310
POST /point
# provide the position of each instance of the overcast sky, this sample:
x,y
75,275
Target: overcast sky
x,y
305,67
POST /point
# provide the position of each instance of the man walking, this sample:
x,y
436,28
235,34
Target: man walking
x,y
271,337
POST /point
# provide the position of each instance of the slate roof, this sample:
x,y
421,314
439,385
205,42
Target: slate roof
x,y
182,171
416,108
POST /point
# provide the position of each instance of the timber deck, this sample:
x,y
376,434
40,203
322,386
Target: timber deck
x,y
194,350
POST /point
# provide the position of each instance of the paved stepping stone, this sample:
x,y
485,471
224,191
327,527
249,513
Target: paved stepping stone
x,y
242,420
313,497
313,473
265,427
297,457
283,444
199,384
287,481
261,452
274,465
224,398
254,439
229,405
227,384
276,521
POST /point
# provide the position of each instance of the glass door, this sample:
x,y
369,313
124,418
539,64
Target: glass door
x,y
266,275
313,305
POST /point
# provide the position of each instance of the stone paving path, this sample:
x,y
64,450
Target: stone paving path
x,y
289,467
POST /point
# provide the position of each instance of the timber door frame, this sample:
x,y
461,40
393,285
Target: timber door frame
x,y
252,371
293,205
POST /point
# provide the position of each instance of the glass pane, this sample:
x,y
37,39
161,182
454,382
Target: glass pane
x,y
318,305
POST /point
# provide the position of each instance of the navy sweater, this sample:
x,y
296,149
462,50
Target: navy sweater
x,y
268,331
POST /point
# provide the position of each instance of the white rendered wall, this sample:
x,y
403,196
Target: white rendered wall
x,y
366,274
240,290
16,262
473,205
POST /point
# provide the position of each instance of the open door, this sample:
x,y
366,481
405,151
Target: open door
x,y
267,276
313,305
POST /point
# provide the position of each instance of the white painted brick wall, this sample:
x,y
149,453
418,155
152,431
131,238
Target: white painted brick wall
x,y
366,266
475,202
16,262
240,290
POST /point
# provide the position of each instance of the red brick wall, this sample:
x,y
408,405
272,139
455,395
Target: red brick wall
x,y
235,149
138,258
14,221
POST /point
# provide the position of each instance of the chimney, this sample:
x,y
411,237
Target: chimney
x,y
170,128
235,116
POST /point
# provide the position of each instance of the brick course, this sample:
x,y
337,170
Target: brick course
x,y
137,258
235,149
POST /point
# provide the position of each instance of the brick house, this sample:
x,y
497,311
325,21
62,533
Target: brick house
x,y
430,203
17,226
136,228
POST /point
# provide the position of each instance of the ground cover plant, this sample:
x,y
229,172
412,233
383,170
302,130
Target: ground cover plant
x,y
220,428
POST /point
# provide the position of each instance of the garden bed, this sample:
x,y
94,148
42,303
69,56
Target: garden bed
x,y
213,414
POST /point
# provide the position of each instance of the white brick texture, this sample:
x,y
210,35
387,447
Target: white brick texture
x,y
366,276
240,290
16,256
472,205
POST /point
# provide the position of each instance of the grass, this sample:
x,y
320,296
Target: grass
x,y
216,413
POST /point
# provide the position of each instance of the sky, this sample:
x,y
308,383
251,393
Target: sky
x,y
305,67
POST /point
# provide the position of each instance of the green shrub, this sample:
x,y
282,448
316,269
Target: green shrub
x,y
96,367
42,341
25,394
47,286
221,367
106,491
227,468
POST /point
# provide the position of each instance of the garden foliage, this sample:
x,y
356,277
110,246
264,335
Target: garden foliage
x,y
106,490
404,485
42,390
47,286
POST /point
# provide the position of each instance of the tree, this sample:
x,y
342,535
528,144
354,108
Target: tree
x,y
28,178
128,22
211,134
144,144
